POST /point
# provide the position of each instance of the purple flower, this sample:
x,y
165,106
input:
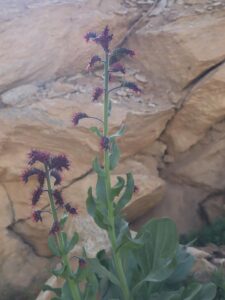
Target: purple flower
x,y
119,53
70,209
58,198
36,195
57,177
38,156
36,215
77,117
33,171
105,143
104,39
90,36
55,228
93,61
117,68
136,189
131,86
97,93
82,263
59,162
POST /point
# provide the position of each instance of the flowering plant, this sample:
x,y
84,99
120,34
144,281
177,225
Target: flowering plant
x,y
151,265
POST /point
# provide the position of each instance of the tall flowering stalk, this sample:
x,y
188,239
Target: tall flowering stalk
x,y
105,193
48,174
151,265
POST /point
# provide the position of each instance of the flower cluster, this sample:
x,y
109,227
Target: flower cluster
x,y
105,143
103,39
77,117
97,94
53,167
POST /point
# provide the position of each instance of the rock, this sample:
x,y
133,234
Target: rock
x,y
20,96
203,108
150,193
25,57
141,78
59,89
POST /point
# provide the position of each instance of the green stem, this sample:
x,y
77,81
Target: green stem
x,y
73,286
111,231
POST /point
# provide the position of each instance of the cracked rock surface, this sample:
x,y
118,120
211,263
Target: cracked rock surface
x,y
174,143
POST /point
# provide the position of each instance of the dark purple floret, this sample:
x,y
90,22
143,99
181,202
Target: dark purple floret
x,y
57,177
36,195
132,86
70,209
117,68
90,36
55,228
77,117
38,156
30,172
105,143
58,198
97,93
82,263
36,215
136,189
104,39
93,61
120,53
41,178
59,162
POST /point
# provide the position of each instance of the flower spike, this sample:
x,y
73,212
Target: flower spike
x,y
77,117
97,93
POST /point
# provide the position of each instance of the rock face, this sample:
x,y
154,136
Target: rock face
x,y
174,143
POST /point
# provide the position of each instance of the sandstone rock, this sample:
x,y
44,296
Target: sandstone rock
x,y
20,96
204,107
41,54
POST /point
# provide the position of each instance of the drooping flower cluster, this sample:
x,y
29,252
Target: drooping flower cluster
x,y
103,39
53,166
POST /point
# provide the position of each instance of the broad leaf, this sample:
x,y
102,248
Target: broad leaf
x,y
102,272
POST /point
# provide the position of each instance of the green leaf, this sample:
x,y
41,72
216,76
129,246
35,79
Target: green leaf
x,y
47,287
66,294
90,203
63,220
101,220
127,195
72,242
119,133
157,257
185,263
96,131
207,292
102,272
117,188
64,238
191,291
97,168
52,245
114,155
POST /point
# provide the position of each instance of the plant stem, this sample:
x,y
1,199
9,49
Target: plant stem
x,y
74,289
111,231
